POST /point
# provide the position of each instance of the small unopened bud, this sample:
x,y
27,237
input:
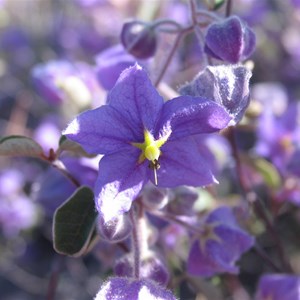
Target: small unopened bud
x,y
230,40
139,39
183,201
115,230
155,198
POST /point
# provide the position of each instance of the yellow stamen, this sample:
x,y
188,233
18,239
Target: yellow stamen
x,y
151,150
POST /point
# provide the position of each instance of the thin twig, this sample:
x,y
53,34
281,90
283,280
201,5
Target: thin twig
x,y
228,8
53,281
177,41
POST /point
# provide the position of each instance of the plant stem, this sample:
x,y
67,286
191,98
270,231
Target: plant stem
x,y
53,281
252,198
177,41
135,243
228,8
58,164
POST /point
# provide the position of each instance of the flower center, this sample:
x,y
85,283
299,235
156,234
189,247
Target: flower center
x,y
151,150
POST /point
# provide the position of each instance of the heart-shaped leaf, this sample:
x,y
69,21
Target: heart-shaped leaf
x,y
74,222
17,145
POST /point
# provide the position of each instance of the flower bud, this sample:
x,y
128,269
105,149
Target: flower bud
x,y
154,198
183,201
115,230
230,40
139,39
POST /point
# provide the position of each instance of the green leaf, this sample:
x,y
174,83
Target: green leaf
x,y
214,4
75,148
74,222
268,172
218,4
17,145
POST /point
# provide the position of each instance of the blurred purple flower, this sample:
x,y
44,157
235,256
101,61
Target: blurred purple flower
x,y
141,137
15,44
277,135
17,211
226,85
47,134
254,12
220,246
128,288
278,287
60,80
230,40
110,64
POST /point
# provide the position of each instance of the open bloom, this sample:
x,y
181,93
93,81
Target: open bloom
x,y
219,247
144,138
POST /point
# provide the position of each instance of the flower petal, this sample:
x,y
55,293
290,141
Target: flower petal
x,y
120,180
103,130
187,115
124,288
185,162
136,99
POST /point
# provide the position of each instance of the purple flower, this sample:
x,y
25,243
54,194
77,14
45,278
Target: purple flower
x,y
110,64
278,287
220,246
226,85
128,288
277,135
143,138
17,211
60,80
47,134
230,40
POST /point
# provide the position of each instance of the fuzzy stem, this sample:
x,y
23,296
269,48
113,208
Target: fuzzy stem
x,y
135,243
171,218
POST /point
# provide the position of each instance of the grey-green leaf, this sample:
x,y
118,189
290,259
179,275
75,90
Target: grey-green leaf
x,y
17,145
75,148
74,222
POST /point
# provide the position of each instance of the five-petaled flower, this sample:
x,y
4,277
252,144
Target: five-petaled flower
x,y
144,138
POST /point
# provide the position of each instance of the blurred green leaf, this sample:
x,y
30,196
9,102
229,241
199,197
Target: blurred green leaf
x,y
68,145
17,145
268,172
214,4
74,222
